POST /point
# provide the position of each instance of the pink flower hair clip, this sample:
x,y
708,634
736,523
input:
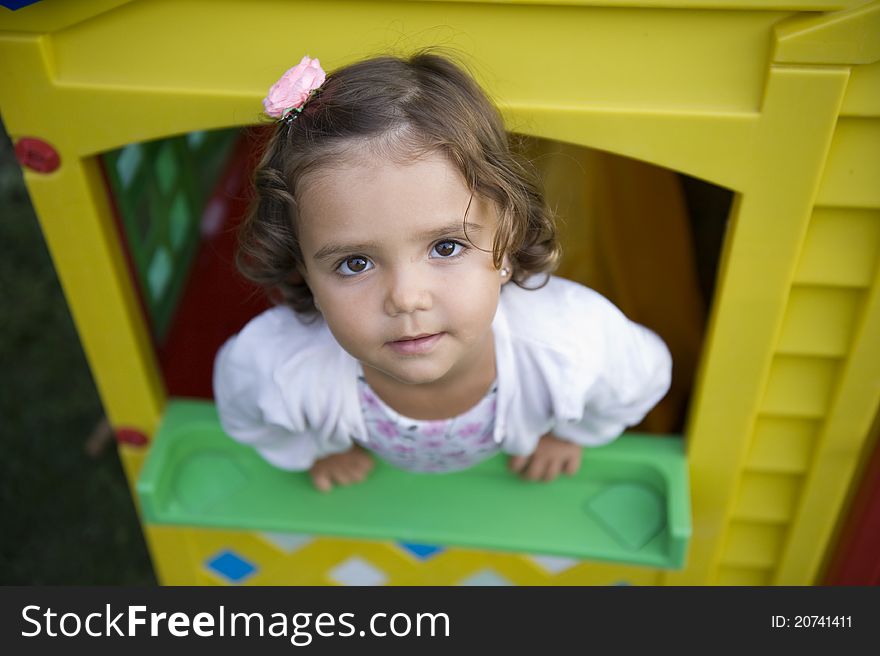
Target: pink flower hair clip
x,y
288,95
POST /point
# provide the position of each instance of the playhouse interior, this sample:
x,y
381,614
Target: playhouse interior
x,y
188,286
178,201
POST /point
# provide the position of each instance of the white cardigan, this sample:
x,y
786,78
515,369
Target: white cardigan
x,y
567,361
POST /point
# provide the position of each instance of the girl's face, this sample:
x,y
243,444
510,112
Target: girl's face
x,y
401,287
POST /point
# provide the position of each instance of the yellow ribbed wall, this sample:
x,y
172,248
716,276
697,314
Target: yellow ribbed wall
x,y
787,486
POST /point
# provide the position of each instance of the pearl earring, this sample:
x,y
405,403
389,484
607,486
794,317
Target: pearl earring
x,y
504,272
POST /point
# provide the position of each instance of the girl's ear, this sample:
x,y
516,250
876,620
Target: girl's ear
x,y
506,270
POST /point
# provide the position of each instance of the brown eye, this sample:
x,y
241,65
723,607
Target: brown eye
x,y
447,248
353,265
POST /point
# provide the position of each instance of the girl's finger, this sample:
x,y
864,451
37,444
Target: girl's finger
x,y
517,463
342,476
536,468
356,472
552,470
321,481
364,464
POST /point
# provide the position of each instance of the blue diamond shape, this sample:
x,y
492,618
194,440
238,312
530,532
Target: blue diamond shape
x,y
17,4
231,566
421,551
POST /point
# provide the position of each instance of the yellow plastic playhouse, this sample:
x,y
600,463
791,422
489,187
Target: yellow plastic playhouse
x,y
127,117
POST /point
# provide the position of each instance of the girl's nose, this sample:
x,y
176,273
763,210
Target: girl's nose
x,y
407,293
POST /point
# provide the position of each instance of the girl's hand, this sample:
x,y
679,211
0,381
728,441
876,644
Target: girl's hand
x,y
551,458
345,468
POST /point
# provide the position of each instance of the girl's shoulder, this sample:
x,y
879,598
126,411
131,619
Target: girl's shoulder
x,y
561,315
273,378
280,322
274,336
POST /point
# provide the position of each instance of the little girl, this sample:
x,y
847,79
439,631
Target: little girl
x,y
410,252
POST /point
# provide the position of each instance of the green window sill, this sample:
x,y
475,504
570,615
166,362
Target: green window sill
x,y
629,503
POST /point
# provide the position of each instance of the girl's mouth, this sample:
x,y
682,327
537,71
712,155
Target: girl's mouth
x,y
415,345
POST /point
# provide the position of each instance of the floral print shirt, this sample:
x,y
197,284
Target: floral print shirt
x,y
429,446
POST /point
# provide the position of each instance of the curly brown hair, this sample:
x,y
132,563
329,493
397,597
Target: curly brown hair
x,y
400,108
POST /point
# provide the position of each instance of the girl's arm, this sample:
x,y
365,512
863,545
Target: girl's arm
x,y
634,374
251,412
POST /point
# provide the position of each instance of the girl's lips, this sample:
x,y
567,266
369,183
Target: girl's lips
x,y
416,346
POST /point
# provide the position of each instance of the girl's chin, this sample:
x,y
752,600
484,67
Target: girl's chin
x,y
415,374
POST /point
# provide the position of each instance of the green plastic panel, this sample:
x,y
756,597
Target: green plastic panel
x,y
629,502
161,188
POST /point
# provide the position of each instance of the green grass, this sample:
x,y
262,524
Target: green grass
x,y
67,517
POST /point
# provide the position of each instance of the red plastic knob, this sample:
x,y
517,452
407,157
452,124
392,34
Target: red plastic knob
x,y
131,437
37,155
